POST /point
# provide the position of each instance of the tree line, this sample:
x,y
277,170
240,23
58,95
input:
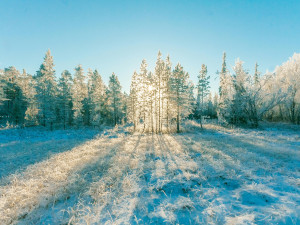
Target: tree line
x,y
41,99
158,100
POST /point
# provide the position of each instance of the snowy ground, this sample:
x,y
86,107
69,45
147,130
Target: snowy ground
x,y
215,176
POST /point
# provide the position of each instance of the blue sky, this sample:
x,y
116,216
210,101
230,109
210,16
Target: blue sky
x,y
114,36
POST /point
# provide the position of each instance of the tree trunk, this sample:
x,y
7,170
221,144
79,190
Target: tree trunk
x,y
178,128
168,113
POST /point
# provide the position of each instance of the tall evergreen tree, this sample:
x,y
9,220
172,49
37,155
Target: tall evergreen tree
x,y
256,75
215,105
115,98
97,96
180,93
166,79
225,92
240,97
158,76
14,104
28,86
210,106
65,98
46,91
79,96
202,91
143,93
134,100
223,77
2,86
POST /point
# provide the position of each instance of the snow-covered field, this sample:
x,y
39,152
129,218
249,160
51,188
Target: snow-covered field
x,y
211,176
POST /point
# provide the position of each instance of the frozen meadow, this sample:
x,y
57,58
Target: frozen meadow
x,y
212,176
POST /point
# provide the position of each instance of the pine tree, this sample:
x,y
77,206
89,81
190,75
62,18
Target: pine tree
x,y
65,98
15,104
115,98
210,106
46,91
28,86
256,75
151,100
166,78
225,93
191,101
253,95
240,97
180,93
223,76
158,76
97,96
2,86
134,100
215,105
143,93
202,90
79,96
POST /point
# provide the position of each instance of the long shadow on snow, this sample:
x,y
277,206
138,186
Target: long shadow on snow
x,y
72,194
16,156
117,187
226,143
154,194
255,147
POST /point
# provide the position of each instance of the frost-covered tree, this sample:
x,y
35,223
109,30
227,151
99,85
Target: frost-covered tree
x,y
14,105
288,75
158,98
180,94
151,103
202,91
2,86
143,94
65,98
264,96
256,75
28,86
166,91
114,95
239,99
133,106
96,98
124,108
158,79
225,92
46,90
79,96
216,103
192,102
210,111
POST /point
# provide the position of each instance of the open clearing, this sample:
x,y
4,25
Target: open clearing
x,y
214,176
